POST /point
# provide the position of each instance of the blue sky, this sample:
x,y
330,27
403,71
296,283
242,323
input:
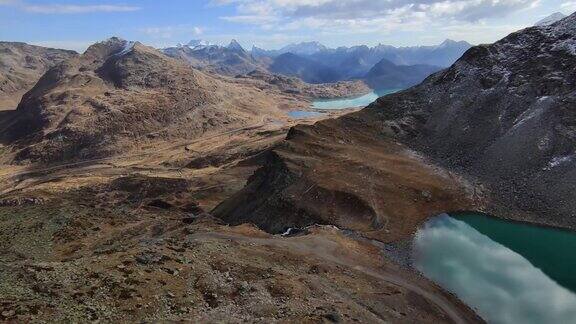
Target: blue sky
x,y
269,23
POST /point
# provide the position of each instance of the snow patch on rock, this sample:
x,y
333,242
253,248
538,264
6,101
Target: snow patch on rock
x,y
128,46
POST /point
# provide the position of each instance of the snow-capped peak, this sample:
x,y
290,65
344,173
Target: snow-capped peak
x,y
305,48
198,43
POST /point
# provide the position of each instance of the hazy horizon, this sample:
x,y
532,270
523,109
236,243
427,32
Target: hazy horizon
x,y
270,24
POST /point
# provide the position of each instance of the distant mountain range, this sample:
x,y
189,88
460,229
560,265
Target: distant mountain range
x,y
315,63
304,48
229,60
443,54
309,70
387,75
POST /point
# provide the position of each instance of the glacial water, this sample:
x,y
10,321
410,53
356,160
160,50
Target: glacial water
x,y
361,101
301,114
508,272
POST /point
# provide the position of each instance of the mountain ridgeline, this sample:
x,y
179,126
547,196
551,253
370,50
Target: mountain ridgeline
x,y
228,60
21,65
120,93
496,131
387,75
315,63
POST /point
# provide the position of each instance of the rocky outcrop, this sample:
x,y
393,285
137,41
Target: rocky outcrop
x,y
503,113
21,65
343,172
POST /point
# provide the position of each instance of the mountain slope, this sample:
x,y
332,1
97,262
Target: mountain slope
x,y
387,75
228,60
309,71
21,65
119,94
296,87
549,20
495,132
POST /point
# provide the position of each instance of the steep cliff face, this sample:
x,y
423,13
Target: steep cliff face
x,y
120,93
21,65
503,116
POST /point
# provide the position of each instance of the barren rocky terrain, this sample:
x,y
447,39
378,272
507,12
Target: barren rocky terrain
x,y
120,93
21,65
145,185
110,169
130,238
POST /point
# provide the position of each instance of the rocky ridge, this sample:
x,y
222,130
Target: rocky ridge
x,y
297,87
119,93
494,132
21,65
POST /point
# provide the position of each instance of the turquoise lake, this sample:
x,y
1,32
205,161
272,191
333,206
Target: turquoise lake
x,y
361,101
509,272
301,114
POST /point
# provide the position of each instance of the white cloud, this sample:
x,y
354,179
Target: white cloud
x,y
365,16
77,9
569,6
169,32
251,19
67,8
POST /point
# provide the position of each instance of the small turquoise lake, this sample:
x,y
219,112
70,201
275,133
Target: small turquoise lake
x,y
301,114
361,101
509,272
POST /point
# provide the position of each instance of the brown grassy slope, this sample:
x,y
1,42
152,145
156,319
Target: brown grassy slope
x,y
292,85
21,65
112,97
103,253
346,173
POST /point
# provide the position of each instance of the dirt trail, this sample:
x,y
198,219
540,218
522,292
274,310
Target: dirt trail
x,y
325,249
